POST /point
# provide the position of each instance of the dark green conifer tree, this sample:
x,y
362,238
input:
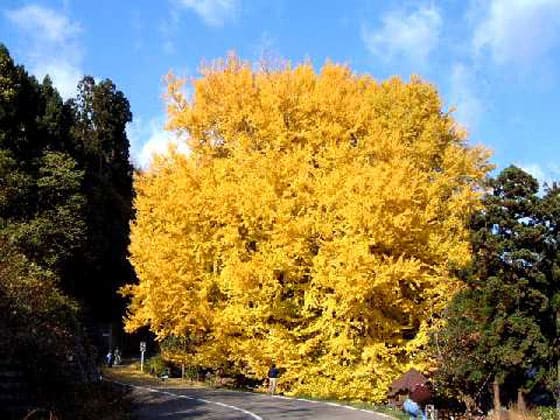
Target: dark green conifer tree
x,y
500,327
100,114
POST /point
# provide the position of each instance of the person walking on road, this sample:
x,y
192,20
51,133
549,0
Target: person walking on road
x,y
273,374
109,358
117,357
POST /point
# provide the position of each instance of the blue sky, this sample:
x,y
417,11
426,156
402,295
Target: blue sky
x,y
496,61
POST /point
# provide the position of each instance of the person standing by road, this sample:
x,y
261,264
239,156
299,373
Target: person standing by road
x,y
273,374
109,359
117,357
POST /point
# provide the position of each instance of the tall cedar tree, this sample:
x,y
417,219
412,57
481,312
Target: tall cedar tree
x,y
100,114
550,218
501,328
314,224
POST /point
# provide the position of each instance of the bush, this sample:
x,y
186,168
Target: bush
x,y
191,373
156,365
546,413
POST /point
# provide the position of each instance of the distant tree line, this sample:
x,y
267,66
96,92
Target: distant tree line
x,y
65,206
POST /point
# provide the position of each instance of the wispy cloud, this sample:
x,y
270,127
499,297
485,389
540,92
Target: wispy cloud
x,y
463,96
409,36
546,173
517,31
149,138
212,12
51,45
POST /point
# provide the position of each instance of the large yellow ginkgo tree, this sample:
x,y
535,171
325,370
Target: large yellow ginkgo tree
x,y
316,222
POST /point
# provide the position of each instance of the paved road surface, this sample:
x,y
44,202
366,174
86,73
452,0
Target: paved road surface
x,y
202,403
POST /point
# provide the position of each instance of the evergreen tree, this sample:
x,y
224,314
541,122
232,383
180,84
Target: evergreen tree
x,y
499,327
100,113
40,200
66,182
550,213
41,228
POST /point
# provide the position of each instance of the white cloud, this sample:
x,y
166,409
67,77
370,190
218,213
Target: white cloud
x,y
65,76
468,107
149,138
51,26
545,173
212,12
518,31
51,45
536,170
410,36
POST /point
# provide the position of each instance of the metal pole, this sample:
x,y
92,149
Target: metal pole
x,y
142,362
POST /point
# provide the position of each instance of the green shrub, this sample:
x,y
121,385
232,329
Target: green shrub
x,y
546,413
156,365
191,373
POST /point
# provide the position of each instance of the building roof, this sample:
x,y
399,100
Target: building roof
x,y
407,381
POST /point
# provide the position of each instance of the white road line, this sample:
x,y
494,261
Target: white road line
x,y
309,401
221,404
338,405
252,393
283,397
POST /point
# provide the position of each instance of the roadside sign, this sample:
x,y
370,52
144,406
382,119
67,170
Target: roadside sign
x,y
142,351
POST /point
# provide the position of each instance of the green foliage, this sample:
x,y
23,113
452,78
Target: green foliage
x,y
156,365
501,325
39,327
100,113
66,182
547,413
40,200
55,229
65,205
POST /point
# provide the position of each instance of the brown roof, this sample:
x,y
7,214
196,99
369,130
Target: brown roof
x,y
407,381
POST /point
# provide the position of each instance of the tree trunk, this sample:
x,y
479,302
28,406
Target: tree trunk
x,y
521,406
497,403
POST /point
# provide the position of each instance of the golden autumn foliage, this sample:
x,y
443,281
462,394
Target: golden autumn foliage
x,y
315,223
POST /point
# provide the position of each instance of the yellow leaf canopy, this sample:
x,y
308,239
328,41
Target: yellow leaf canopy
x,y
316,222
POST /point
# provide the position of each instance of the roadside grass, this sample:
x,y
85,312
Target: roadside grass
x,y
130,373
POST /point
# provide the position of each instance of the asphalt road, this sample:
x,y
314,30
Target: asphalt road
x,y
201,403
